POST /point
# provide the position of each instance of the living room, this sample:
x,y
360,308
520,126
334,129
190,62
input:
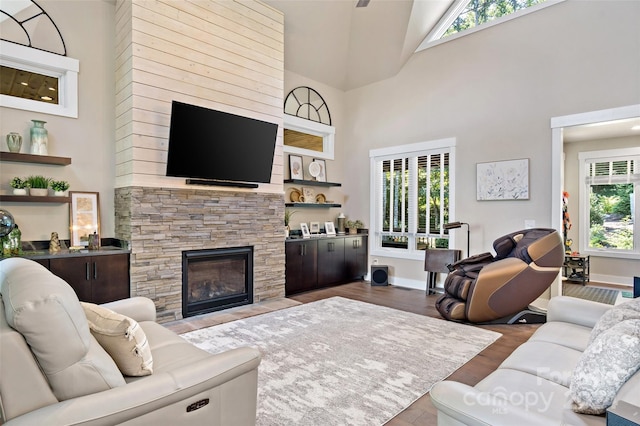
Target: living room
x,y
495,92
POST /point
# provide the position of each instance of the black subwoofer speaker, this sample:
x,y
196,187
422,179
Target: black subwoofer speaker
x,y
379,275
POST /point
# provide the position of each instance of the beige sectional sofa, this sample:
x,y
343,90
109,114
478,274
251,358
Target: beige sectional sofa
x,y
54,371
539,382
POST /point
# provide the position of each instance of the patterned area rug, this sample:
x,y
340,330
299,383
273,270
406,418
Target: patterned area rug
x,y
342,362
597,294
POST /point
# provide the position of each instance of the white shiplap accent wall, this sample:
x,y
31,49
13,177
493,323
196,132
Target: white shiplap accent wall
x,y
226,55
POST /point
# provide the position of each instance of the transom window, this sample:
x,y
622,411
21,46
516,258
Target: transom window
x,y
608,198
411,198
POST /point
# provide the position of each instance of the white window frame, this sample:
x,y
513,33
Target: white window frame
x,y
63,68
606,155
376,156
326,132
434,38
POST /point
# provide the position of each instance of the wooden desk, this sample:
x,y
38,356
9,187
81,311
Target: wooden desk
x,y
436,261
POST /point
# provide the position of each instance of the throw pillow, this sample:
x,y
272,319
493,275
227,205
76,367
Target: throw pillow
x,y
607,363
621,312
122,338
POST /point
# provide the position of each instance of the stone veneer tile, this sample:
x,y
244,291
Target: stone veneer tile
x,y
160,223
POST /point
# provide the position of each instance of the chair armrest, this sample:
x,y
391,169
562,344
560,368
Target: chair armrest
x,y
576,311
147,394
469,406
138,308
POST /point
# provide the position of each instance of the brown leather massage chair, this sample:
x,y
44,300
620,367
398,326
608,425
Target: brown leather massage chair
x,y
498,289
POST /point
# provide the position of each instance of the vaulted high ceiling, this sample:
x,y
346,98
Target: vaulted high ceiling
x,y
344,46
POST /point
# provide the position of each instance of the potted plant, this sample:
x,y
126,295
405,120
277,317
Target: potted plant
x,y
19,185
59,187
39,185
353,225
287,217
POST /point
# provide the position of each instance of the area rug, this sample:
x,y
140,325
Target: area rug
x,y
342,362
597,294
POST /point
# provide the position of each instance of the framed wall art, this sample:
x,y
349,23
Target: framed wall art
x,y
502,180
305,230
329,228
295,167
84,216
314,227
322,170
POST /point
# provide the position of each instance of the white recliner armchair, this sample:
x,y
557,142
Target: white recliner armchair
x,y
54,371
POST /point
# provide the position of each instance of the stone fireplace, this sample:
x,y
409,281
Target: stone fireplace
x,y
161,223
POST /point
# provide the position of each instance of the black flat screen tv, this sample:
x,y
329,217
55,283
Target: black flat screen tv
x,y
218,146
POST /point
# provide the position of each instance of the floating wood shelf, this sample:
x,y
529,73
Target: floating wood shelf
x,y
34,199
311,182
17,157
317,205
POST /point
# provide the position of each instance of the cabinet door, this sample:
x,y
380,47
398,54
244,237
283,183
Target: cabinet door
x,y
301,266
77,272
355,253
110,277
331,262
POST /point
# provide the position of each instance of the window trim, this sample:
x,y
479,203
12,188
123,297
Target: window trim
x,y
434,37
587,156
379,154
46,63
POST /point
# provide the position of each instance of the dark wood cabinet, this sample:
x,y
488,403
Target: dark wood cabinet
x,y
301,266
322,262
95,279
355,254
331,265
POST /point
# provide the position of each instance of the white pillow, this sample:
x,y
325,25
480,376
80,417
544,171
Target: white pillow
x,y
122,338
615,315
607,363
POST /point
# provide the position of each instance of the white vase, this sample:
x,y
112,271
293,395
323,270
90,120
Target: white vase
x,y
59,193
39,192
19,191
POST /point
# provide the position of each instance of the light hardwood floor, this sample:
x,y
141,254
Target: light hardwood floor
x,y
421,412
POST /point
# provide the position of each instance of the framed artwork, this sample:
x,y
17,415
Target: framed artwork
x,y
314,227
295,167
84,216
305,230
502,180
309,195
322,174
329,228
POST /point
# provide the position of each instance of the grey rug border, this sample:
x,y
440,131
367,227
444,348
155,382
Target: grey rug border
x,y
499,335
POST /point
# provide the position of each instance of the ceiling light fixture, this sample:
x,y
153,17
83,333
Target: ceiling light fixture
x,y
24,83
46,98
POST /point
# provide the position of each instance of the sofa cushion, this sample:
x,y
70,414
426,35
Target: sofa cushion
x,y
621,312
46,311
122,338
604,367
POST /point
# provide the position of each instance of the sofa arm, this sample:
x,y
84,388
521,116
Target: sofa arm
x,y
576,311
151,393
463,404
138,308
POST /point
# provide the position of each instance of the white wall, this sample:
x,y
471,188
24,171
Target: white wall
x,y
495,92
89,34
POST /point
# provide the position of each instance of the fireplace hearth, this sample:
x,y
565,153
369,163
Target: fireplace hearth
x,y
216,279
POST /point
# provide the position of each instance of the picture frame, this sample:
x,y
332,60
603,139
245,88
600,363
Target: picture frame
x,y
305,230
329,228
314,227
502,180
296,167
84,217
322,177
309,195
